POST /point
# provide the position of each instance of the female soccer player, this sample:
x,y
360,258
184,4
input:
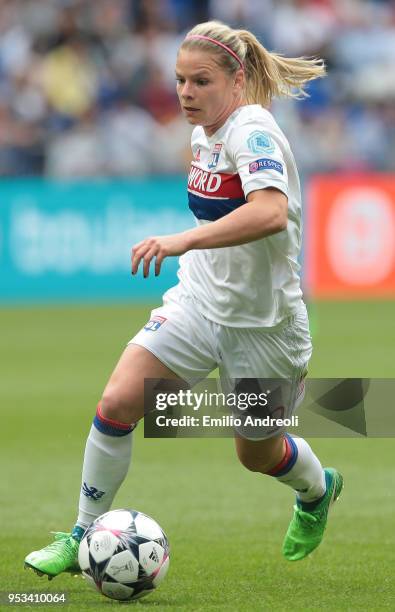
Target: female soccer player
x,y
238,304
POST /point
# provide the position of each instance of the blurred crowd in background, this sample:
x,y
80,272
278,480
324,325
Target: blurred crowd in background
x,y
87,87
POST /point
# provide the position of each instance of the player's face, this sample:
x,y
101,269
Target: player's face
x,y
207,94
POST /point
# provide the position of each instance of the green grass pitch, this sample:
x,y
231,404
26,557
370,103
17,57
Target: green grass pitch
x,y
225,524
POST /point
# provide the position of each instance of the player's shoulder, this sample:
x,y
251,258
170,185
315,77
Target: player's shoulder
x,y
253,130
252,120
251,113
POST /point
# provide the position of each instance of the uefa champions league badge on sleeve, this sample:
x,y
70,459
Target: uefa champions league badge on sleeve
x,y
260,142
155,323
265,164
215,156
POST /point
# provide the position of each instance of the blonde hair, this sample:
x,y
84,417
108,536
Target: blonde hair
x,y
267,74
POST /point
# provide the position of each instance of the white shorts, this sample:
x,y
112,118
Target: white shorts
x,y
193,346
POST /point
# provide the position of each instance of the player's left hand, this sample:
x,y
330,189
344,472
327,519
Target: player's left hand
x,y
158,247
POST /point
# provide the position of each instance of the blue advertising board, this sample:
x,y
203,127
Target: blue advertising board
x,y
71,241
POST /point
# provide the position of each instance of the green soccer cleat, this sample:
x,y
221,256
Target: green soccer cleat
x,y
60,556
306,528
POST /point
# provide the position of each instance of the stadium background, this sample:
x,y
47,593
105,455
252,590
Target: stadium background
x,y
93,156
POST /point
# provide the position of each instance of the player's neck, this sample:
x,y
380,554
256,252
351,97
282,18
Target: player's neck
x,y
210,130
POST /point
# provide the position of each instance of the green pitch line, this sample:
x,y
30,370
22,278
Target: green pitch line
x,y
225,525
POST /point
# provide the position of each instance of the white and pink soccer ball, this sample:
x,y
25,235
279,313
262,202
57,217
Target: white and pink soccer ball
x,y
124,554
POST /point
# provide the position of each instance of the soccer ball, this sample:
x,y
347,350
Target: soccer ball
x,y
124,554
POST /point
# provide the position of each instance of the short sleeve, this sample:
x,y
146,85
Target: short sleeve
x,y
258,157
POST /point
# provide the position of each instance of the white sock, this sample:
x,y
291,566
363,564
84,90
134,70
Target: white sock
x,y
301,470
106,463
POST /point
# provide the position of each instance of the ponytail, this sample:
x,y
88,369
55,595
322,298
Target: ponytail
x,y
270,75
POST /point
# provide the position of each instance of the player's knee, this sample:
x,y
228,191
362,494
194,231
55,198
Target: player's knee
x,y
118,408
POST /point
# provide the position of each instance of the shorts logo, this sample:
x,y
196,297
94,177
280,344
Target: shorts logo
x,y
154,323
265,164
260,142
215,155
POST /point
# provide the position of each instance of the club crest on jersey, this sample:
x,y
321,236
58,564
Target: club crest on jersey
x,y
260,142
154,323
215,155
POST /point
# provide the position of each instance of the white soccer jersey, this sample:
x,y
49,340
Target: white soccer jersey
x,y
255,284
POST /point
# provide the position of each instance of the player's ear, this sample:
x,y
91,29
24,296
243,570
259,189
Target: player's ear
x,y
239,81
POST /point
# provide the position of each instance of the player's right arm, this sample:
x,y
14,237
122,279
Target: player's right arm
x,y
264,214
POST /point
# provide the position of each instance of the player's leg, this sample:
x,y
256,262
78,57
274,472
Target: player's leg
x,y
289,459
176,346
259,456
107,453
108,448
292,462
169,348
283,355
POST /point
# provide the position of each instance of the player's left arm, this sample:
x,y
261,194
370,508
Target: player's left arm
x,y
264,214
